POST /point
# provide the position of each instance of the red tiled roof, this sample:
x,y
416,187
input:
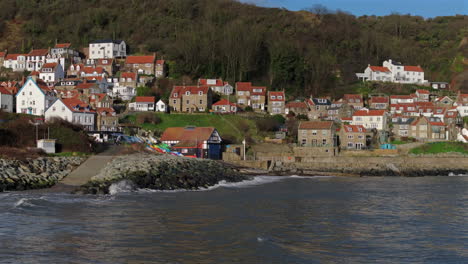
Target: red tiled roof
x,y
354,128
218,82
451,114
369,113
181,90
89,70
62,45
105,111
424,104
243,86
51,65
145,99
346,119
13,56
401,97
352,96
76,105
85,86
296,105
379,69
437,123
93,78
97,97
126,75
38,52
199,134
2,54
414,68
316,125
276,94
160,62
224,102
421,91
140,59
379,99
4,90
34,73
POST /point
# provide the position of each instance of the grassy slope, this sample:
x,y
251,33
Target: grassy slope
x,y
441,147
231,127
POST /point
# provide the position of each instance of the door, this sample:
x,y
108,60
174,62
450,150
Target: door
x,y
214,151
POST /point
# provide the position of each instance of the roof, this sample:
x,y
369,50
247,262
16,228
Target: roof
x,y
116,41
13,56
379,99
352,96
62,45
366,112
92,70
421,91
414,68
354,128
51,65
4,90
97,97
187,134
145,99
77,106
85,86
160,62
2,54
105,111
243,86
437,123
276,95
140,59
296,105
38,52
181,90
211,82
401,97
379,69
126,75
224,102
316,125
408,120
319,101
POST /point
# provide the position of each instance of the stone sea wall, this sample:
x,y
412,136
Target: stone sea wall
x,y
44,172
161,172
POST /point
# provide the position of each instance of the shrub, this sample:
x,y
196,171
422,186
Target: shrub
x,y
147,118
302,117
248,109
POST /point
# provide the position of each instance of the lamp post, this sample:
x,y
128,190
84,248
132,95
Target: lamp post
x,y
243,143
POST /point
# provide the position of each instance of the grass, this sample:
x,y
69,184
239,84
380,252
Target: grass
x,y
441,147
232,127
399,142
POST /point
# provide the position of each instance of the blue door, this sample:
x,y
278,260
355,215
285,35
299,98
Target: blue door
x,y
214,151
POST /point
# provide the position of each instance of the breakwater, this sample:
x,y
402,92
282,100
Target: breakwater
x,y
160,172
43,172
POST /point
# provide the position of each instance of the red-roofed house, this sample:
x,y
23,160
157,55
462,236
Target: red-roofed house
x,y
375,73
35,59
51,73
92,72
422,95
298,108
34,97
196,142
224,106
401,99
379,102
353,137
191,98
318,135
355,100
253,96
276,102
16,62
160,68
217,85
392,71
100,100
141,64
6,100
107,119
73,110
143,104
370,119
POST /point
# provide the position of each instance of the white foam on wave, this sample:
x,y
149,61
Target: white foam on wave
x,y
26,202
124,186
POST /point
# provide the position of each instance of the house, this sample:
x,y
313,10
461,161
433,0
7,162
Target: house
x,y
11,86
100,100
35,59
199,142
298,108
355,100
378,102
107,64
353,137
34,97
401,126
405,109
438,129
92,72
338,110
107,119
16,62
276,102
125,93
462,104
62,49
320,136
253,96
422,95
75,70
190,98
127,79
318,107
401,99
107,49
143,104
141,64
67,84
431,128
224,107
160,69
370,119
6,100
440,85
161,106
217,85
51,73
444,101
73,110
392,71
88,88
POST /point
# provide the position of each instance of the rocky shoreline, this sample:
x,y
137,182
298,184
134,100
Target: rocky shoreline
x,y
38,173
160,172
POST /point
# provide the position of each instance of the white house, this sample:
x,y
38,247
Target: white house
x,y
16,62
217,85
370,119
107,48
401,99
392,71
161,106
143,104
51,73
73,110
462,104
34,97
224,106
6,100
36,59
125,93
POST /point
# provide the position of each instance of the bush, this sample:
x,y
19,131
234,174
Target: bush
x,y
268,124
147,118
302,117
248,109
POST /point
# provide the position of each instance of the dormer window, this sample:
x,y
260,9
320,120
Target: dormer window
x,y
273,97
187,93
175,94
200,93
280,97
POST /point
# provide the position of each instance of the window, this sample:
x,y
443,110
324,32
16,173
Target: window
x,y
280,97
324,132
63,108
187,93
188,101
273,97
324,142
360,137
53,109
22,102
200,93
350,136
30,93
314,132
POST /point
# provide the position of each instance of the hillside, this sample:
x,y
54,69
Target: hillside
x,y
302,52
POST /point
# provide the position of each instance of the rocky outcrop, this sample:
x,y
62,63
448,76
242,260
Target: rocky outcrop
x,y
18,175
161,172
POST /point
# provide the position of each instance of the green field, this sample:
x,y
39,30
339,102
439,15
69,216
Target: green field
x,y
441,147
233,128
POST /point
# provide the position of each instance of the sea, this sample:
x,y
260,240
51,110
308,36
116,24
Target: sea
x,y
263,220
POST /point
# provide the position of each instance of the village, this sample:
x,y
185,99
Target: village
x,y
96,88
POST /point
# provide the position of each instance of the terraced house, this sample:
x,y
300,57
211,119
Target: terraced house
x,y
319,136
191,99
141,64
276,102
253,96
